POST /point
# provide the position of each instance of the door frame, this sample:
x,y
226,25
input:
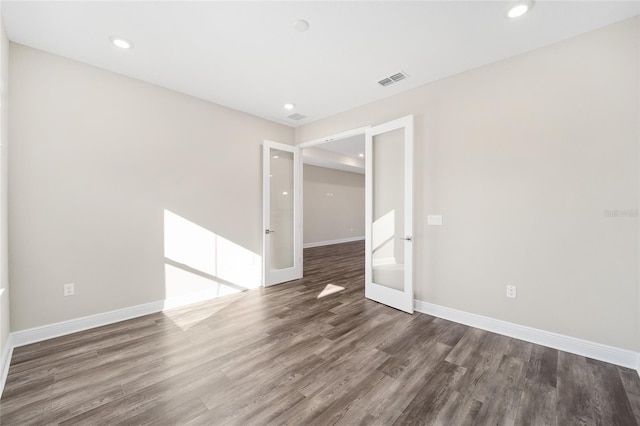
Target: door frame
x,y
276,277
337,136
408,155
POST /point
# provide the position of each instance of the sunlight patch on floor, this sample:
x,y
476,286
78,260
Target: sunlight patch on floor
x,y
329,289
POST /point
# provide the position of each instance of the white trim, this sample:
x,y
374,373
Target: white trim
x,y
331,242
5,362
332,138
599,351
50,331
593,350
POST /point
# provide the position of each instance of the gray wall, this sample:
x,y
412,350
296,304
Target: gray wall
x,y
333,204
526,159
108,174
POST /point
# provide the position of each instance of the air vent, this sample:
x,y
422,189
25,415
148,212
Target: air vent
x,y
397,77
296,116
392,79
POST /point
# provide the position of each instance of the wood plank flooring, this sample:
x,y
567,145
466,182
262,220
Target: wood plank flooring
x,y
282,355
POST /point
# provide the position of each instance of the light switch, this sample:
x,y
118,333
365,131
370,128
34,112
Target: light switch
x,y
434,219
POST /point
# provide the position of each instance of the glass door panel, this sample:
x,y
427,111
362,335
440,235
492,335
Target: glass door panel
x,y
282,209
387,229
389,219
282,239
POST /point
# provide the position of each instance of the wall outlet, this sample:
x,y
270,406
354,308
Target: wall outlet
x,y
511,291
434,219
69,289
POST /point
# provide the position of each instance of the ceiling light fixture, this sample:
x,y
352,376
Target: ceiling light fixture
x,y
289,106
301,25
519,9
120,42
361,155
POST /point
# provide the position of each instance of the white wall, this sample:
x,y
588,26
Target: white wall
x,y
333,204
108,175
4,146
526,159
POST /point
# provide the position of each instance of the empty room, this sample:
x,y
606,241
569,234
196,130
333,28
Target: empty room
x,y
318,213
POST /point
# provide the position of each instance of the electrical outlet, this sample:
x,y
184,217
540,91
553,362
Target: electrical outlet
x,y
511,291
434,219
69,289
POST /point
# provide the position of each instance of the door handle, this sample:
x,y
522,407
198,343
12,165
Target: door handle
x,y
407,238
268,231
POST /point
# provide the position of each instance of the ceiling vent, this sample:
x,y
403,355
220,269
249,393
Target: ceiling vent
x,y
296,116
392,79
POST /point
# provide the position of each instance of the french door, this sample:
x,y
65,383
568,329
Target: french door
x,y
282,213
388,214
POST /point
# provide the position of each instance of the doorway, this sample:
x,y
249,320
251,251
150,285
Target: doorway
x,y
388,164
334,192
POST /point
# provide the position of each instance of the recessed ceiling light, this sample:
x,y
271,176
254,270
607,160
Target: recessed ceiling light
x,y
120,42
275,156
285,193
301,25
519,10
361,155
289,106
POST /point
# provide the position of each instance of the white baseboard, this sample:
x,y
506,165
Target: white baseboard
x,y
50,331
330,242
5,361
45,332
601,352
574,345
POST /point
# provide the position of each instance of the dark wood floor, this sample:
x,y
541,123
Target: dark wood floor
x,y
282,355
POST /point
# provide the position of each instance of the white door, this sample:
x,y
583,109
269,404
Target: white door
x,y
388,215
282,213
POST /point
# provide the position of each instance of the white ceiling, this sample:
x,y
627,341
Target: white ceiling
x,y
351,146
247,56
342,153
